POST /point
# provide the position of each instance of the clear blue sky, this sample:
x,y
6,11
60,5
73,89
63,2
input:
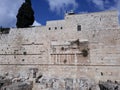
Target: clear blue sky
x,y
53,9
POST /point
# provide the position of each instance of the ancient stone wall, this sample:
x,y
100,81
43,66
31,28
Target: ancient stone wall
x,y
62,51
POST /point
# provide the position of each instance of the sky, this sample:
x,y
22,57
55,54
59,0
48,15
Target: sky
x,y
46,10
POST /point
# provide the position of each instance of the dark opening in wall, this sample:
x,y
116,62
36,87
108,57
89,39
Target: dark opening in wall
x,y
24,53
23,60
62,48
34,74
49,28
61,27
65,61
85,53
33,43
55,28
101,73
37,79
79,28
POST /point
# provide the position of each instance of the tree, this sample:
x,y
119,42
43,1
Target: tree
x,y
25,16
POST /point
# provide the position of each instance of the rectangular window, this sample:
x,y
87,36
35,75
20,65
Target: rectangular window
x,y
55,28
49,28
61,27
79,27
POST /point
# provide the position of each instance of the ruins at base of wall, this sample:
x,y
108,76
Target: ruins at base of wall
x,y
75,53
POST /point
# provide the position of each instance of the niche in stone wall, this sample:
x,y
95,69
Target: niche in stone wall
x,y
70,52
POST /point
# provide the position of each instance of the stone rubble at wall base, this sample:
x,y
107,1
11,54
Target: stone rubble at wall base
x,y
17,83
76,53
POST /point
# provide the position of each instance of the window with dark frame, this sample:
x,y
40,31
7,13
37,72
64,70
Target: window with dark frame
x,y
79,28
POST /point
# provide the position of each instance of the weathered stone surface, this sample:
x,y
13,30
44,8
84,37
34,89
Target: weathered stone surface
x,y
94,87
48,50
19,86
